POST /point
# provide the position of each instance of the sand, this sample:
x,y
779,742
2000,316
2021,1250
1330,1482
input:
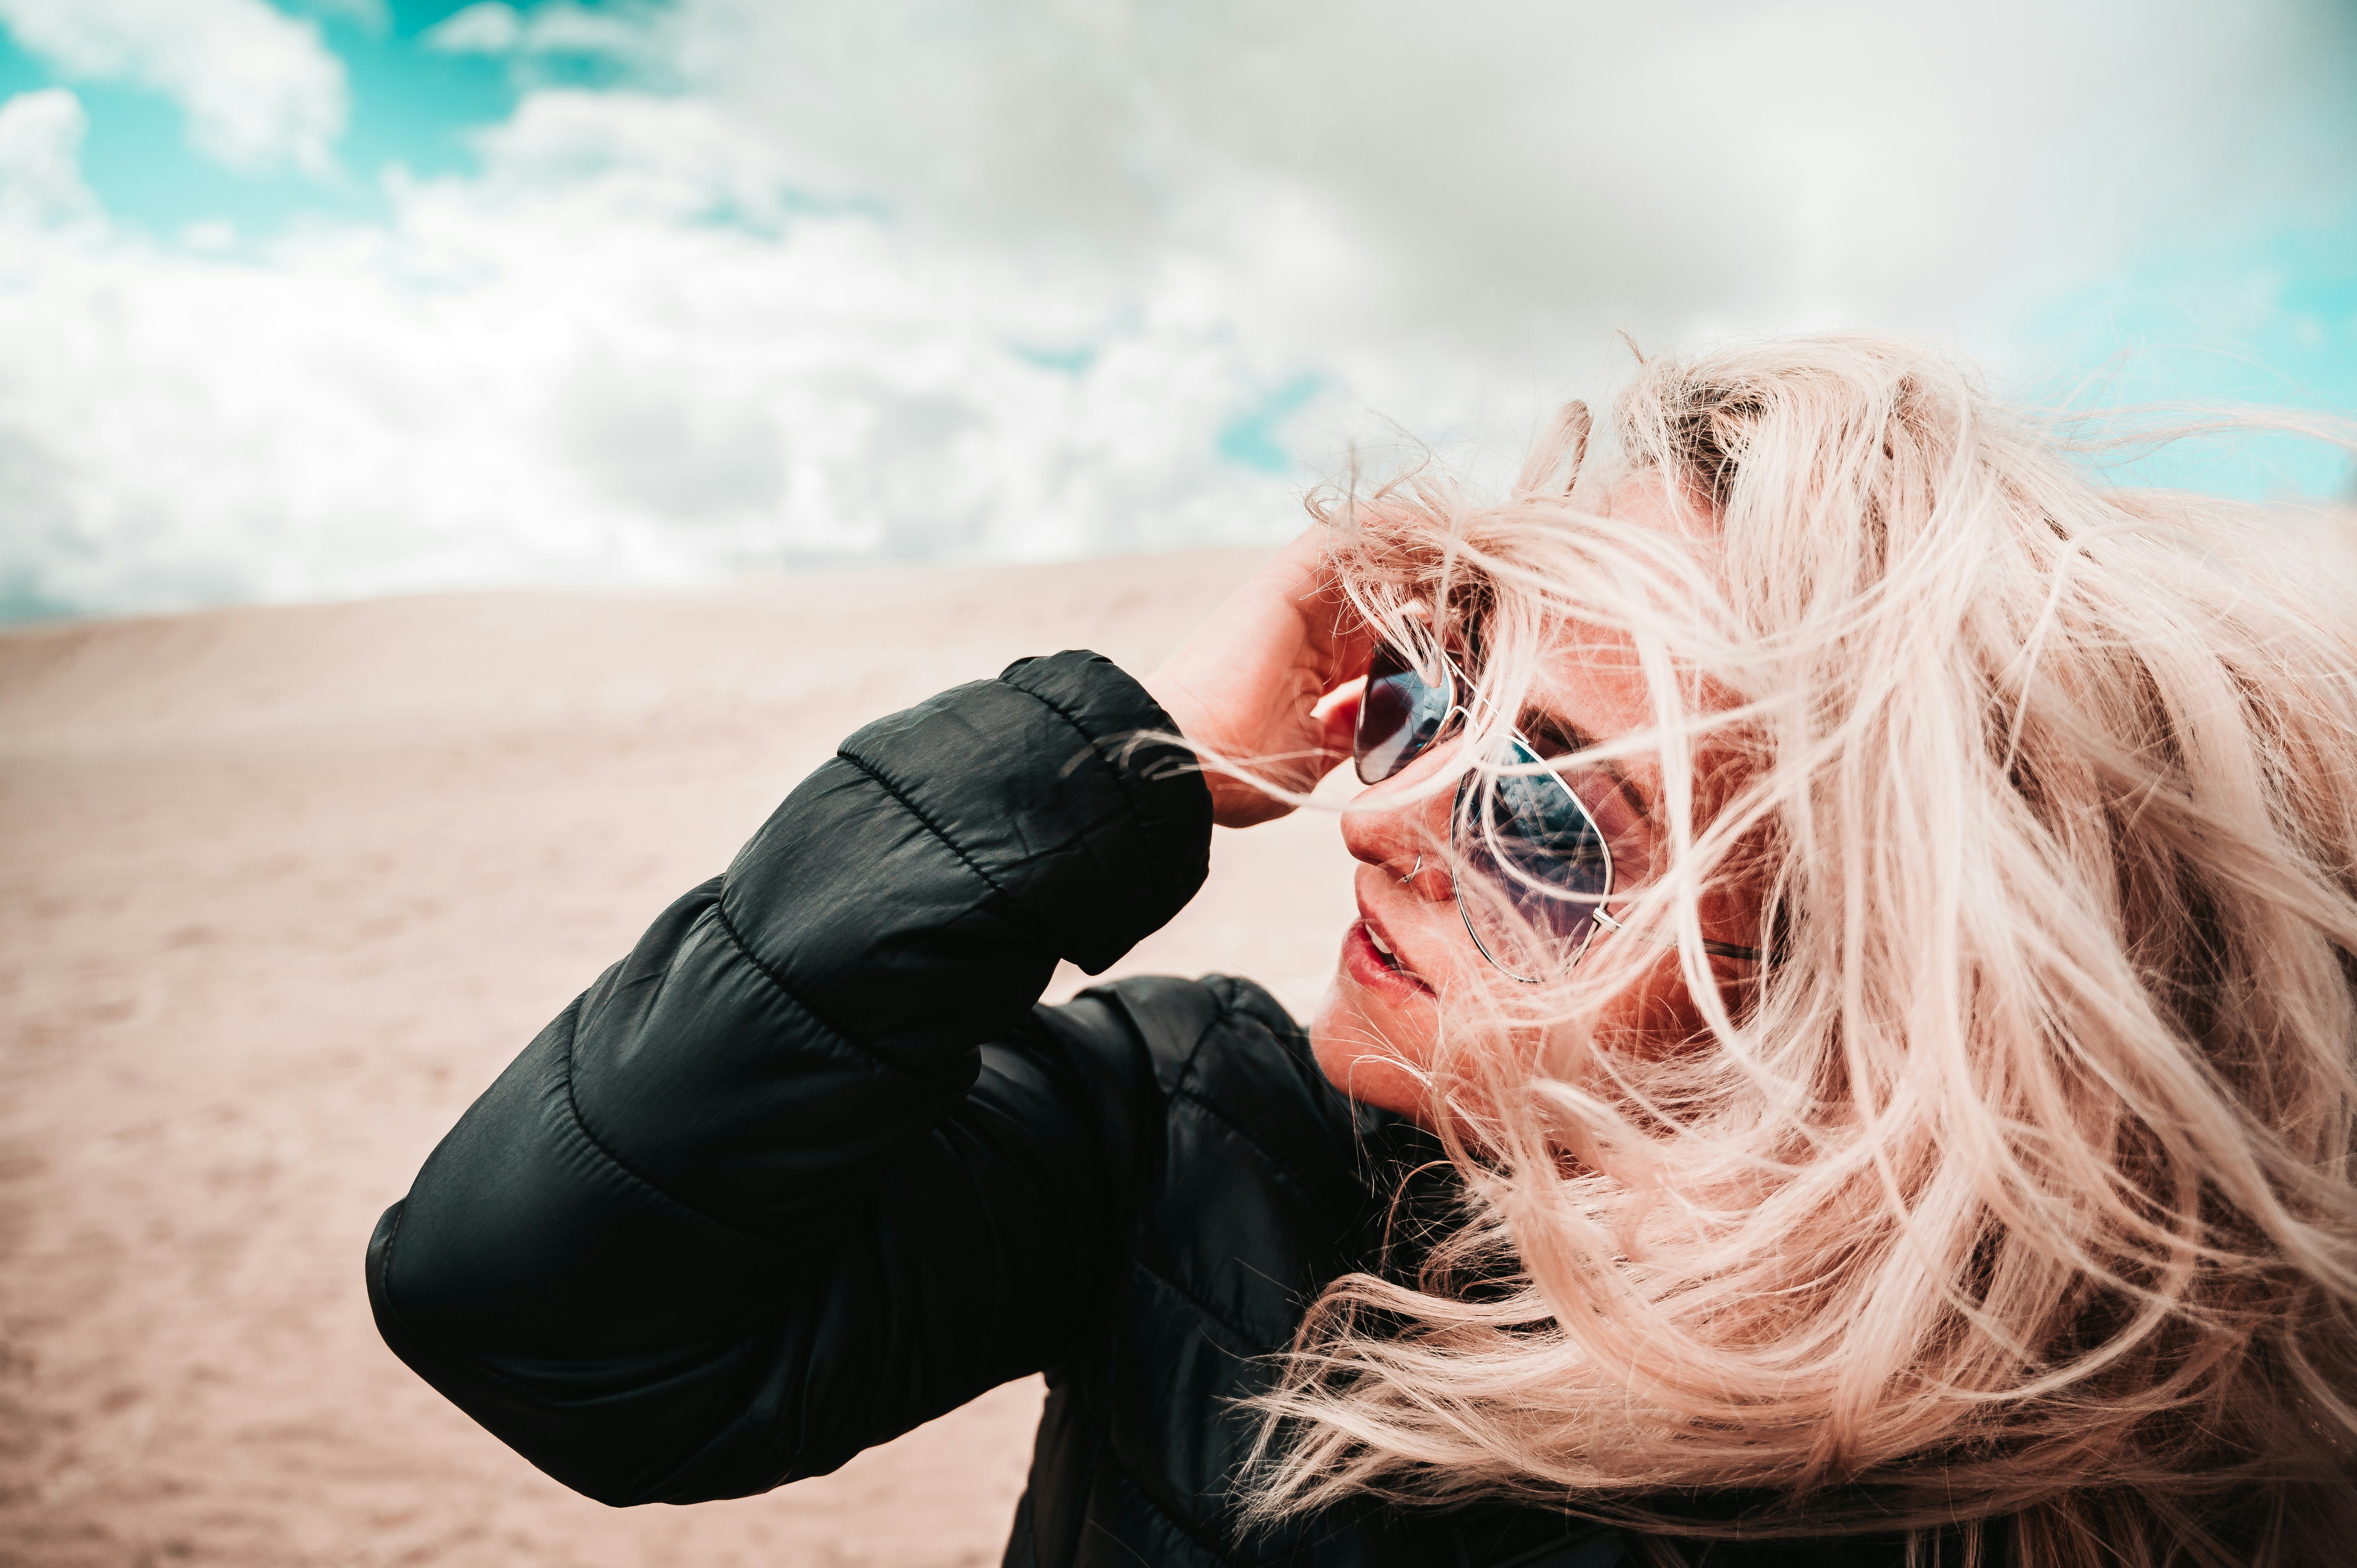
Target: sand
x,y
282,890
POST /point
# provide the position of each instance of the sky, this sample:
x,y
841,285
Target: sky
x,y
330,299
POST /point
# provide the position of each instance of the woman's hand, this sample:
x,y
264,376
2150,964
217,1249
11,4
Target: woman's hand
x,y
1248,686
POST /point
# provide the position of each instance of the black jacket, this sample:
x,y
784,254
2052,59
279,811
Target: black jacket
x,y
810,1166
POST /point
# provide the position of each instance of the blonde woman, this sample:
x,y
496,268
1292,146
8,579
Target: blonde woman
x,y
1849,1052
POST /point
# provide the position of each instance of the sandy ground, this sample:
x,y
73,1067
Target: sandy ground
x,y
280,893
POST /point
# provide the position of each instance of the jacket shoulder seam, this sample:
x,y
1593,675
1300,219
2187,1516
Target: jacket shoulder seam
x,y
1183,1087
1194,1058
1234,1330
1128,1478
1282,1166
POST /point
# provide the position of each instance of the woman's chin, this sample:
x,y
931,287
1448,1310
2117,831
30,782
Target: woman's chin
x,y
1365,1041
1361,1071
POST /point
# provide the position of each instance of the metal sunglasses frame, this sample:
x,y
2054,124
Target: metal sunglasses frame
x,y
1453,716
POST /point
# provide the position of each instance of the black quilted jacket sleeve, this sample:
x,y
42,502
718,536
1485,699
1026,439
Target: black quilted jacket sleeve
x,y
809,1167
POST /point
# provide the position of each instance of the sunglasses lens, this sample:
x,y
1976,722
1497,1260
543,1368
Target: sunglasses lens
x,y
1401,713
1537,869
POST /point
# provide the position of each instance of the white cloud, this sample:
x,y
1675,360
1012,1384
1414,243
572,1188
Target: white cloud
x,y
944,277
1492,168
258,86
604,360
486,28
635,32
41,166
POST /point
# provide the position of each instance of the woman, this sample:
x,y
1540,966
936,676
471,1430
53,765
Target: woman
x,y
1850,1052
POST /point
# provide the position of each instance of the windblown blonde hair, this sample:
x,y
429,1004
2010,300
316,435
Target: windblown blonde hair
x,y
2016,1185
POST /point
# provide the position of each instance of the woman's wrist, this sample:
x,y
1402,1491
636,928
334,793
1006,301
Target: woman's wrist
x,y
1232,800
1251,688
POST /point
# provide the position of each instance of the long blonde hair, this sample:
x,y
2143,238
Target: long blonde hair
x,y
2018,1185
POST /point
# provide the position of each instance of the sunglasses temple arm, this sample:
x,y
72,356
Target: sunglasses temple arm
x,y
1716,950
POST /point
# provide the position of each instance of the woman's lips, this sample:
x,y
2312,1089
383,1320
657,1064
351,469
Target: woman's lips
x,y
1363,958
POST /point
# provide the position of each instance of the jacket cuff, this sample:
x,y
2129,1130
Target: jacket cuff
x,y
1168,838
963,845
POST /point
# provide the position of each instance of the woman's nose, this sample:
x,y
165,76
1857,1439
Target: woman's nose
x,y
1402,837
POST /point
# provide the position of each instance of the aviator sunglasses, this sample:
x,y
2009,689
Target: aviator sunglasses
x,y
1542,867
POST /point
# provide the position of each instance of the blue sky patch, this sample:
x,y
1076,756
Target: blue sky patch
x,y
2258,322
1253,440
411,105
1073,362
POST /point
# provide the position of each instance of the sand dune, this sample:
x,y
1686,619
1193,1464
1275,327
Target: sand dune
x,y
281,890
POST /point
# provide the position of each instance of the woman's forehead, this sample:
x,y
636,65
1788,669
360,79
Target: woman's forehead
x,y
1590,678
1590,681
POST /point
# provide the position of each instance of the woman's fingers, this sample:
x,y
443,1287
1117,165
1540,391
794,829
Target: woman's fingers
x,y
1337,717
1336,637
1254,686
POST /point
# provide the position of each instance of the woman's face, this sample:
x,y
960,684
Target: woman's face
x,y
1380,1019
